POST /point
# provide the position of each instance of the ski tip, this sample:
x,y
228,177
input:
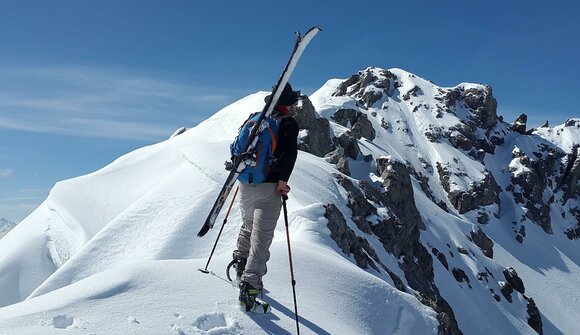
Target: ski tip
x,y
314,30
203,271
203,231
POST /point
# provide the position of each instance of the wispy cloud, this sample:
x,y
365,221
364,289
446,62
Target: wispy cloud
x,y
6,172
81,101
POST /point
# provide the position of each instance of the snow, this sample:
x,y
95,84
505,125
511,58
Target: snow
x,y
563,136
171,296
116,252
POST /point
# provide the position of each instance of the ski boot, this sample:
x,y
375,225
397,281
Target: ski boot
x,y
239,264
249,300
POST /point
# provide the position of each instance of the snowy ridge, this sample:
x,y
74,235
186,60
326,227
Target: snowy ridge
x,y
410,225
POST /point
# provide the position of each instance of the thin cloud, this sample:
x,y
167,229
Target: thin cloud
x,y
22,198
81,101
6,172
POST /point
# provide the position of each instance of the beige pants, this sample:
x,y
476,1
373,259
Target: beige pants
x,y
260,207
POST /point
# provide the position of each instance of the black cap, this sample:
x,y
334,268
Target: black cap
x,y
288,97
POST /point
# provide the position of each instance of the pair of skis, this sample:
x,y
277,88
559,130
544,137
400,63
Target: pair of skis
x,y
299,46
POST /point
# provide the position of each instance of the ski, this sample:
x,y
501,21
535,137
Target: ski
x,y
299,46
260,306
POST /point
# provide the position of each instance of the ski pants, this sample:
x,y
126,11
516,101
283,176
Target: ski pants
x,y
260,205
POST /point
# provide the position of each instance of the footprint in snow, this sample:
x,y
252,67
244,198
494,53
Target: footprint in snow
x,y
214,324
178,329
62,321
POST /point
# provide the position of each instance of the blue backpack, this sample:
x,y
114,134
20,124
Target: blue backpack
x,y
258,160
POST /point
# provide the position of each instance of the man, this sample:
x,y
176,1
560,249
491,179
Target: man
x,y
261,204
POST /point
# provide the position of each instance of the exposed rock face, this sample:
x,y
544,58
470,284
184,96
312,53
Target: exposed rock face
x,y
519,124
344,116
383,206
452,97
351,244
534,317
358,122
368,87
441,257
532,180
481,102
334,156
342,166
346,238
415,91
463,136
363,128
343,88
506,291
317,140
482,241
574,233
357,202
483,105
482,194
399,192
350,146
400,236
371,97
571,174
511,276
460,276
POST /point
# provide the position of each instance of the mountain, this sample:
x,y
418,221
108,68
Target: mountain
x,y
5,226
415,209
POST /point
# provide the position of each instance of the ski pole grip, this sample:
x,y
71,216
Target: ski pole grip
x,y
285,197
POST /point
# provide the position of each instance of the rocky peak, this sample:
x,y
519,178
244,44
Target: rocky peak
x,y
369,85
424,143
478,99
315,137
519,124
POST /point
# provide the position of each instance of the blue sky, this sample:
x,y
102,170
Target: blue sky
x,y
83,82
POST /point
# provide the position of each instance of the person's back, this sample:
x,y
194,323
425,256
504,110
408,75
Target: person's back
x,y
261,205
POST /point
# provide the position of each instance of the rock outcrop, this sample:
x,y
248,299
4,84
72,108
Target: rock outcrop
x,y
351,244
484,193
482,241
533,176
414,120
317,137
571,175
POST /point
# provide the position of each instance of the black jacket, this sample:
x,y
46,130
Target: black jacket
x,y
286,151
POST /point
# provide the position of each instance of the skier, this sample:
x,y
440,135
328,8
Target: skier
x,y
260,204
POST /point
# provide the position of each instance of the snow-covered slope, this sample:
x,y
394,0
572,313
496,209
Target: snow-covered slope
x,y
429,214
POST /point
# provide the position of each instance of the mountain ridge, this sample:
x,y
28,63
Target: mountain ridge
x,y
424,187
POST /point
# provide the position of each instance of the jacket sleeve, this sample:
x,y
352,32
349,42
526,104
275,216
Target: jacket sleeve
x,y
287,150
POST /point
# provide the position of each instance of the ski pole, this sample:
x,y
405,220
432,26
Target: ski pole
x,y
219,234
284,198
